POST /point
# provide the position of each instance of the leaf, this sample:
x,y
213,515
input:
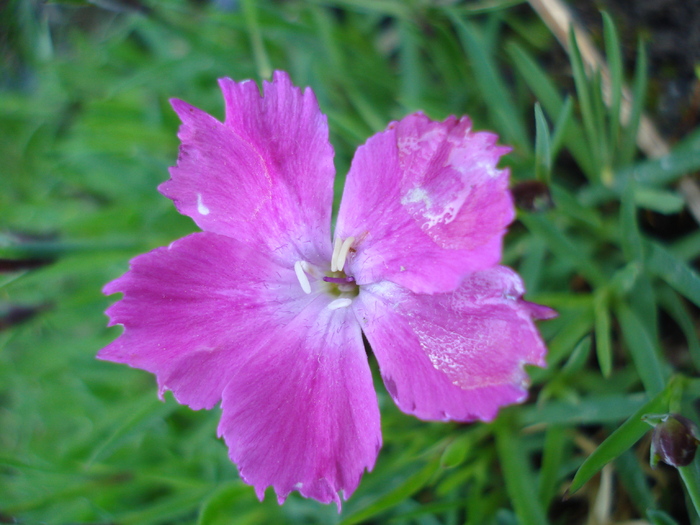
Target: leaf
x,y
691,478
409,487
543,147
645,355
547,93
562,126
592,410
603,344
674,271
629,140
585,98
492,86
630,237
614,59
563,247
620,440
666,202
659,517
520,482
678,311
552,456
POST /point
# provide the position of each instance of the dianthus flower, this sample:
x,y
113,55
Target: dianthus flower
x,y
264,312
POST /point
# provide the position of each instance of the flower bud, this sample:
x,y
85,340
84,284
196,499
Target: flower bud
x,y
674,439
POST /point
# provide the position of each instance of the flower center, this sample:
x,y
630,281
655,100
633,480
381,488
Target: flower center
x,y
335,283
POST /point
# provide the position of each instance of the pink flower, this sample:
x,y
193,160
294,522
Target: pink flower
x,y
262,313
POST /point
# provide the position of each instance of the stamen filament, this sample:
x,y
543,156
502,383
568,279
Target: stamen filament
x,y
343,253
301,276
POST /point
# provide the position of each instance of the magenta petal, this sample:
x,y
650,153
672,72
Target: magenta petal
x,y
206,295
301,413
425,204
457,355
265,175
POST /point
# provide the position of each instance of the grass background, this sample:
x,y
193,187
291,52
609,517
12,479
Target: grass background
x,y
86,135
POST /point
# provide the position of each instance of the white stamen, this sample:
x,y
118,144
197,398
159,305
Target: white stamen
x,y
201,208
343,302
337,244
301,276
310,269
343,254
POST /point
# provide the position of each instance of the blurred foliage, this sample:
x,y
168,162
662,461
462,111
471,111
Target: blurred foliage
x,y
86,135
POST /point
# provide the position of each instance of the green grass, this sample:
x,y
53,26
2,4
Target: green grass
x,y
86,135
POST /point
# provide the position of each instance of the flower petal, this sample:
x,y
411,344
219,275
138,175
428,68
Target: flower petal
x,y
213,318
425,204
302,414
265,175
198,296
456,355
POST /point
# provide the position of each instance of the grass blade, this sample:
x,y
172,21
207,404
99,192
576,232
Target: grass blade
x,y
674,271
629,141
493,88
614,58
603,344
651,369
620,440
585,101
520,482
543,147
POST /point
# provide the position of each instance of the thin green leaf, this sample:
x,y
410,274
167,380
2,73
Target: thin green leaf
x,y
409,487
411,71
629,141
262,61
559,244
614,59
658,200
678,311
592,410
651,369
659,517
492,86
543,147
565,342
601,146
634,479
620,440
585,100
630,237
674,271
552,455
520,482
577,359
547,93
562,126
691,478
603,344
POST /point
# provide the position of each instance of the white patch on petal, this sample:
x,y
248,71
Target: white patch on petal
x,y
420,201
201,208
299,486
417,195
343,302
301,276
